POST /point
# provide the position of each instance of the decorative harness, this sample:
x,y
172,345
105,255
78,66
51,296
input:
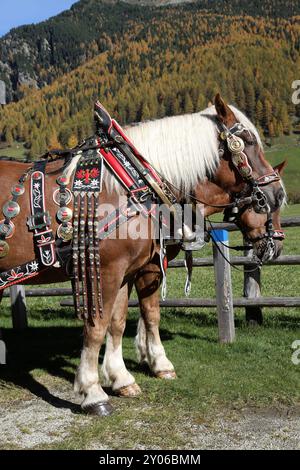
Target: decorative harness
x,y
82,230
143,187
257,198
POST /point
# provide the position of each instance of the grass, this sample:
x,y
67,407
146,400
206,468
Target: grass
x,y
287,148
254,371
16,150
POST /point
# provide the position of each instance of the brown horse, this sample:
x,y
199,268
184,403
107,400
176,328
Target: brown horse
x,y
123,259
147,282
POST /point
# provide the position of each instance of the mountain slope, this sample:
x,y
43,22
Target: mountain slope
x,y
175,64
34,55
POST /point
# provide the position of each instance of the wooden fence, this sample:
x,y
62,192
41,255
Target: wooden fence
x,y
224,301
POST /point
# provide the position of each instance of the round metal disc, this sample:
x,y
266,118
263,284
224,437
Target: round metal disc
x,y
62,180
65,232
11,209
65,197
18,189
37,175
7,229
4,249
236,145
64,214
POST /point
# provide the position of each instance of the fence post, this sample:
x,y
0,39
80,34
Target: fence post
x,y
18,307
2,350
223,286
252,284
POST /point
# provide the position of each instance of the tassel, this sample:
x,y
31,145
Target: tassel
x,y
189,270
163,259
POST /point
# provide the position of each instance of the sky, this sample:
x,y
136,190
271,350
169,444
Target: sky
x,y
15,13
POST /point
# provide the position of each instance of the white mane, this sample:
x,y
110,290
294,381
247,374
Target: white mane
x,y
184,149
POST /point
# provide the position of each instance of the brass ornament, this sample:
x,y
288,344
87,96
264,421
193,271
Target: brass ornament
x,y
64,197
7,230
224,135
64,214
11,209
236,144
4,249
65,232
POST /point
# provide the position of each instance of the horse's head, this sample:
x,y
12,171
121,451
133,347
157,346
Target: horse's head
x,y
255,187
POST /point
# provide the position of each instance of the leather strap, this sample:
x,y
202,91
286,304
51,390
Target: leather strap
x,y
40,219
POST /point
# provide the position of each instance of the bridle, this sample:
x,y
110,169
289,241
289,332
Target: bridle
x,y
230,137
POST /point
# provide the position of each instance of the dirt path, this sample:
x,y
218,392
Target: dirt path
x,y
35,423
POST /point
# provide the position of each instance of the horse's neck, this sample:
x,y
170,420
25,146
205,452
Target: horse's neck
x,y
210,193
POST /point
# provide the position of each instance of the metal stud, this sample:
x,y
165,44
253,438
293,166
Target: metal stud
x,y
223,135
11,209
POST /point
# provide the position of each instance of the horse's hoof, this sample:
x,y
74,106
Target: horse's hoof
x,y
99,409
130,391
166,375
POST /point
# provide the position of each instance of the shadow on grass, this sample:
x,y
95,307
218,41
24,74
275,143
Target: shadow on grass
x,y
49,349
54,350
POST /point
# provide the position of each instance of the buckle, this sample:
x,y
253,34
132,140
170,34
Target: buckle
x,y
39,221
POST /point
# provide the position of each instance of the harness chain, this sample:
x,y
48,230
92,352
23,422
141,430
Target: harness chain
x,y
82,257
75,248
97,258
11,210
91,250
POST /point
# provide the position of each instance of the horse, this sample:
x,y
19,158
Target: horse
x,y
123,259
214,194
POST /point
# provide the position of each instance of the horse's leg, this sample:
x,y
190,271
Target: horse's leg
x,y
148,342
114,370
95,400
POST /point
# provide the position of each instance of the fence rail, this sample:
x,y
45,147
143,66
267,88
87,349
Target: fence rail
x,y
224,301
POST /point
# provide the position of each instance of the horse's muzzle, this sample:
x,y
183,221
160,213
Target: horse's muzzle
x,y
267,249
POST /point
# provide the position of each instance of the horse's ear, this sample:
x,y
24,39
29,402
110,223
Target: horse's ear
x,y
280,167
223,111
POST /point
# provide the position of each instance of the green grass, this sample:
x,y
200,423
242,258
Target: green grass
x,y
17,150
254,371
287,148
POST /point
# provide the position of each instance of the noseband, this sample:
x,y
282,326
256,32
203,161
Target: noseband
x,y
257,197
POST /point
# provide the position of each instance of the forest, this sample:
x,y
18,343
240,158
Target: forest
x,y
167,63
